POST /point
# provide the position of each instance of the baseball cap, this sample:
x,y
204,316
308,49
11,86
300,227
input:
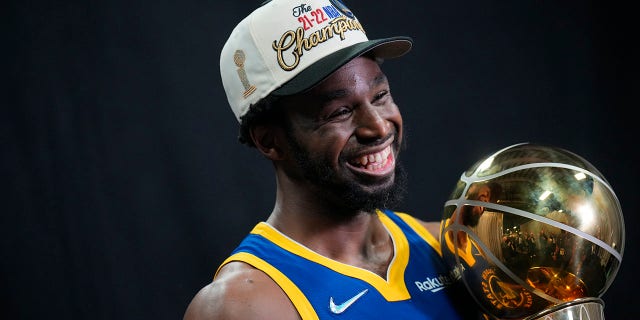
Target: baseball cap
x,y
285,47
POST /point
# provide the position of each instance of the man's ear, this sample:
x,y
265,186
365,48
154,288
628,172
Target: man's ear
x,y
268,140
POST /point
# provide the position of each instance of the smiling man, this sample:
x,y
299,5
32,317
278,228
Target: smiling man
x,y
305,83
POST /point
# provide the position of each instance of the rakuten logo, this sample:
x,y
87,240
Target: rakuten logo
x,y
440,282
433,284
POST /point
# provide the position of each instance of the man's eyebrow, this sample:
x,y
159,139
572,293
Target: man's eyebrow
x,y
381,78
326,97
332,95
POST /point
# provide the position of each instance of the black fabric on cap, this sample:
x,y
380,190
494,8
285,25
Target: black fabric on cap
x,y
321,69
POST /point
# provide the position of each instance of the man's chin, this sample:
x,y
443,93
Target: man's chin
x,y
370,198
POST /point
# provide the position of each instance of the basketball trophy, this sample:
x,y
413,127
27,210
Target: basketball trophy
x,y
534,232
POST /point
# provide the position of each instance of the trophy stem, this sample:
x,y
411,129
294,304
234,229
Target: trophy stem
x,y
579,309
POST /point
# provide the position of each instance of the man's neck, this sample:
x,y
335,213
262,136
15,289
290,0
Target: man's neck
x,y
360,240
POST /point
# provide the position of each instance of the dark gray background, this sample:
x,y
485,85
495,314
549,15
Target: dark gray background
x,y
125,186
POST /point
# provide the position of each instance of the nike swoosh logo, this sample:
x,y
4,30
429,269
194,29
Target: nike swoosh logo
x,y
340,308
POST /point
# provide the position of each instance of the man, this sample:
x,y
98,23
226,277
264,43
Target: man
x,y
305,83
469,216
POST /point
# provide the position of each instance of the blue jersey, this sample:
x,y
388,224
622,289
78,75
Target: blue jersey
x,y
418,284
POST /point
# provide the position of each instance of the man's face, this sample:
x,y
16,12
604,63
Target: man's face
x,y
345,135
471,214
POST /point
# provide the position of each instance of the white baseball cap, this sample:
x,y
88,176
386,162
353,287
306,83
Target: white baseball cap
x,y
287,46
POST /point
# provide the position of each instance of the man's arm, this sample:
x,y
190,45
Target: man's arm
x,y
240,291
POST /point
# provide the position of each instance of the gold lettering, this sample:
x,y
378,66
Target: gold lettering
x,y
283,47
314,40
301,42
326,34
286,41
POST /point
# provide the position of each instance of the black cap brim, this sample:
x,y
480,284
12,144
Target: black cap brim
x,y
380,48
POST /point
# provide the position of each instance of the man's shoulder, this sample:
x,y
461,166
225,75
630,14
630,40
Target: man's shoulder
x,y
239,291
433,227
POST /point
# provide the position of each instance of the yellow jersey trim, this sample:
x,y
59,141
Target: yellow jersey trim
x,y
421,231
299,300
393,289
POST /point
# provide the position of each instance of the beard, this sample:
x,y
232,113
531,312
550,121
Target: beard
x,y
469,218
349,194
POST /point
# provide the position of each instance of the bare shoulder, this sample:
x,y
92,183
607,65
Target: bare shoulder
x,y
432,226
240,291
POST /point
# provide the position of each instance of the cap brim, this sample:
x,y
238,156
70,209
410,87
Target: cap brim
x,y
380,48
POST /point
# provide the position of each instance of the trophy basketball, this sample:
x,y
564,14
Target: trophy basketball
x,y
535,232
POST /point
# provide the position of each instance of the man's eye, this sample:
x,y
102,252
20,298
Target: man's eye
x,y
340,112
381,95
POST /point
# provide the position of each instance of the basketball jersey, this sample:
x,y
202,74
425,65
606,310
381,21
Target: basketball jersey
x,y
418,284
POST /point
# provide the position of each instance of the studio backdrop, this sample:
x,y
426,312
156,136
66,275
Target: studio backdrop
x,y
124,186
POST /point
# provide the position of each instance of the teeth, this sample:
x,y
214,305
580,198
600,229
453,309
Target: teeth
x,y
374,161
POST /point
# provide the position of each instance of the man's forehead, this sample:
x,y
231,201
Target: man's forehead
x,y
342,82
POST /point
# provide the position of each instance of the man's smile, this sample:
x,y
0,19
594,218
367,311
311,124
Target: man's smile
x,y
378,163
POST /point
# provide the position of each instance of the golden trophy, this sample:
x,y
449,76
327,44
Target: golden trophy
x,y
534,232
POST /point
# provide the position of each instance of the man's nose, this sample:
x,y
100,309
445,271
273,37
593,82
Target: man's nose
x,y
371,123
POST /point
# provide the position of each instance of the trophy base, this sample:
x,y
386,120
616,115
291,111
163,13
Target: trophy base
x,y
583,308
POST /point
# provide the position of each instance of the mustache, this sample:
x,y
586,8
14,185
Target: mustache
x,y
395,145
